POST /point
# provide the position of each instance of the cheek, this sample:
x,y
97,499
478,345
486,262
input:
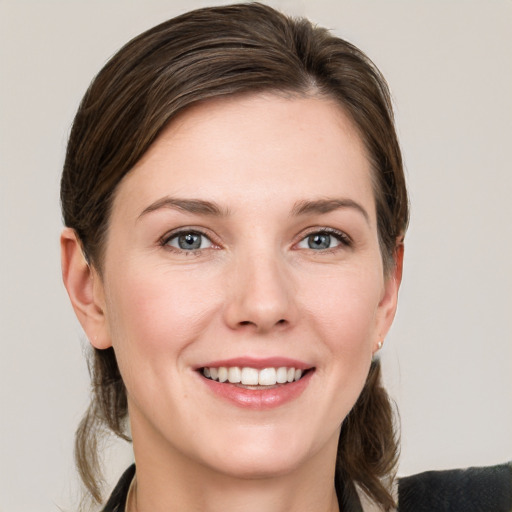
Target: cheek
x,y
346,320
154,312
154,317
345,312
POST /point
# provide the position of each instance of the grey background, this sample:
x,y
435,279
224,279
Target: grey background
x,y
448,359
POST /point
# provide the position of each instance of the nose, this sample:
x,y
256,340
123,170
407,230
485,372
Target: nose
x,y
261,295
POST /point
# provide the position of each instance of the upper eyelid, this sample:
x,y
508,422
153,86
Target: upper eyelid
x,y
214,239
330,231
179,231
344,241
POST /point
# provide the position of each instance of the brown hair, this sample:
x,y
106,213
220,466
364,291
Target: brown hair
x,y
203,54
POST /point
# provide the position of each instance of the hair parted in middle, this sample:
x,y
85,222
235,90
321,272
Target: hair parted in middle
x,y
211,53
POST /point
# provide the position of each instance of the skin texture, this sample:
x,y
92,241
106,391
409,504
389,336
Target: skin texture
x,y
254,289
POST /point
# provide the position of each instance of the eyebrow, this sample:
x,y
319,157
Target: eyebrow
x,y
210,208
326,206
197,206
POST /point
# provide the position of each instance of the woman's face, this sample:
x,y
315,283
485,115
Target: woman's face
x,y
246,238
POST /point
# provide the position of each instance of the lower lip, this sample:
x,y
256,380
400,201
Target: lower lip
x,y
259,398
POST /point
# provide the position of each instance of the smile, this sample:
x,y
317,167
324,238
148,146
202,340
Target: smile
x,y
253,377
257,384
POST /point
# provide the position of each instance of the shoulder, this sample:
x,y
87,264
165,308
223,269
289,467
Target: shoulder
x,y
117,500
486,489
482,489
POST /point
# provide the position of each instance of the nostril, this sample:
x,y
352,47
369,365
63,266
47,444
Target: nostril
x,y
248,322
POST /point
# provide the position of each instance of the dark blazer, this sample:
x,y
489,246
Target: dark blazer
x,y
487,489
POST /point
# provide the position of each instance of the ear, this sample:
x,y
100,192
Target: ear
x,y
389,301
85,290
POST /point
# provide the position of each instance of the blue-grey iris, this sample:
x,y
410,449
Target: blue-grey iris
x,y
189,241
319,241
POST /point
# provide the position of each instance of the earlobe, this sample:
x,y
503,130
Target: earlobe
x,y
85,290
389,301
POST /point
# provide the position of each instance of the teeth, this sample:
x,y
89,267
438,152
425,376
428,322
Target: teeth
x,y
267,377
223,374
282,375
234,374
249,377
252,376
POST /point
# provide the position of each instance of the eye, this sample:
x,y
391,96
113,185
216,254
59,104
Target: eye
x,y
188,241
322,240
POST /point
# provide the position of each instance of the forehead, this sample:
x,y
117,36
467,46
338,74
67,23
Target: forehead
x,y
252,150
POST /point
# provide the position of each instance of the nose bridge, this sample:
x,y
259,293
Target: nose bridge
x,y
261,290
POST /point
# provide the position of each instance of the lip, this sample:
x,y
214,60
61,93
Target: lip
x,y
257,363
258,399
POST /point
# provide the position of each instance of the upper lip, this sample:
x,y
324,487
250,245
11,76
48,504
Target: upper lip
x,y
257,363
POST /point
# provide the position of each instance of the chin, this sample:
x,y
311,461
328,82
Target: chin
x,y
260,466
264,455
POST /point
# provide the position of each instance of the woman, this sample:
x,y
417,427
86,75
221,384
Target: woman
x,y
235,207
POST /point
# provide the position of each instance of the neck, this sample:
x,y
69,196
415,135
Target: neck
x,y
221,495
168,481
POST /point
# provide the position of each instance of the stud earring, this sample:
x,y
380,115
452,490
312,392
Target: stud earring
x,y
374,354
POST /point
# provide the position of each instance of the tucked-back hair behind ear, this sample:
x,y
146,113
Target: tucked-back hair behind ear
x,y
208,53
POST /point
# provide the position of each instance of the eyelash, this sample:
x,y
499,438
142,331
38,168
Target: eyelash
x,y
344,240
340,236
166,239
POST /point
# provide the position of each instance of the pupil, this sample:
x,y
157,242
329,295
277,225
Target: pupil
x,y
319,241
190,241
